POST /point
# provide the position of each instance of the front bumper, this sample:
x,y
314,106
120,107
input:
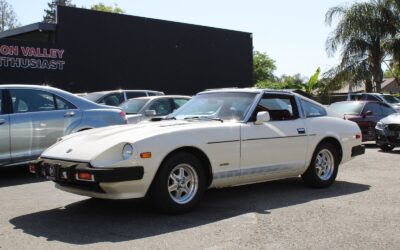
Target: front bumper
x,y
67,174
384,137
357,150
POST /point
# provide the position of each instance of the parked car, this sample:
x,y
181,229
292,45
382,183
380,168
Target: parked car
x,y
152,107
116,97
365,113
388,132
219,138
33,117
385,98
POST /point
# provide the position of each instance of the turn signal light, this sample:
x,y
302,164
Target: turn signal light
x,y
358,136
145,155
84,177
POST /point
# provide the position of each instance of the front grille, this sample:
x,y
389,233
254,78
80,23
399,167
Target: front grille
x,y
393,139
394,127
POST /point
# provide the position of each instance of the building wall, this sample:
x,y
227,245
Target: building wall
x,y
108,51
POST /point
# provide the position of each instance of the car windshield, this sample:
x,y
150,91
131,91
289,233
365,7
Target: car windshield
x,y
219,106
93,96
347,108
391,99
133,106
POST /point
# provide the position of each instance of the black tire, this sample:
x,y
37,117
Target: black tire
x,y
387,147
160,196
311,177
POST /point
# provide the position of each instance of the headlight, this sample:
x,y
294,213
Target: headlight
x,y
380,126
127,151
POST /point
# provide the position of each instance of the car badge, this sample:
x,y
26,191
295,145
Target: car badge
x,y
69,150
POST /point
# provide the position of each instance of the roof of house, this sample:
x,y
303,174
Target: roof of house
x,y
361,88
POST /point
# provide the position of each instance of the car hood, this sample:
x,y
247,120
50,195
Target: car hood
x,y
84,146
391,119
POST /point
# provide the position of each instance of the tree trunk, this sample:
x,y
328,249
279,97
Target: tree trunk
x,y
378,79
377,72
368,86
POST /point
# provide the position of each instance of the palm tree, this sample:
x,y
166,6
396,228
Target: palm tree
x,y
361,33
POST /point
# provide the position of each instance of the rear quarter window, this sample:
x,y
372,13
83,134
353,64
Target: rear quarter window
x,y
312,110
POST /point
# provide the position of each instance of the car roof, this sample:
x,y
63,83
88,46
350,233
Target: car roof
x,y
74,99
358,101
161,97
258,91
123,90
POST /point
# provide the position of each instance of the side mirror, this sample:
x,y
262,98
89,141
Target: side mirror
x,y
368,113
150,112
262,117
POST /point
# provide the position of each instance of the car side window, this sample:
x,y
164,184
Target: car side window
x,y
113,99
63,104
374,107
151,94
131,95
312,110
162,107
369,98
178,102
29,100
280,107
387,110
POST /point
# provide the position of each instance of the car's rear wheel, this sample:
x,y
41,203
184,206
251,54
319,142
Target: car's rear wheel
x,y
386,147
179,184
323,166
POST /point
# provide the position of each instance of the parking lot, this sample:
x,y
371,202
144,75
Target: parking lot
x,y
360,211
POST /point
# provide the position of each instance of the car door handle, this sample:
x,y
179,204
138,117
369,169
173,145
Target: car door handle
x,y
69,114
301,131
2,121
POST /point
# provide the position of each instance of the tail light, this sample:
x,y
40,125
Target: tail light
x,y
122,114
358,136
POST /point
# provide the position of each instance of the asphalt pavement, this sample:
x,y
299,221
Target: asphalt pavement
x,y
360,211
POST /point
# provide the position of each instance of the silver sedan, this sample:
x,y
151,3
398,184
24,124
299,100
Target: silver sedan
x,y
33,117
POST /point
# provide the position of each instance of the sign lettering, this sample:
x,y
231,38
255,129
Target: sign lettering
x,y
26,57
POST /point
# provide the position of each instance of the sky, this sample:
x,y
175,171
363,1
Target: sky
x,y
291,32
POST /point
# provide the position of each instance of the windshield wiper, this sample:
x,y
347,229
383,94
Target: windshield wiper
x,y
204,118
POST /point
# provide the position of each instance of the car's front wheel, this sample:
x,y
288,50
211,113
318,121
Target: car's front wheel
x,y
387,147
323,167
179,184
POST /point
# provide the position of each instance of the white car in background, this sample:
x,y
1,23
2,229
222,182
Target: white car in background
x,y
219,138
152,107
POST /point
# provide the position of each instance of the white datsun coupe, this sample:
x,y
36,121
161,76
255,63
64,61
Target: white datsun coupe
x,y
219,138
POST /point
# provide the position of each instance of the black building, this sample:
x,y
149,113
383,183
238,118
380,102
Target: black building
x,y
90,51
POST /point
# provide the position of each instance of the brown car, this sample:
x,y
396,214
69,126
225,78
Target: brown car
x,y
365,113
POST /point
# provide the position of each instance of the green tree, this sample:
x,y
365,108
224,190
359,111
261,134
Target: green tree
x,y
361,33
272,85
8,18
50,14
263,67
105,8
296,79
